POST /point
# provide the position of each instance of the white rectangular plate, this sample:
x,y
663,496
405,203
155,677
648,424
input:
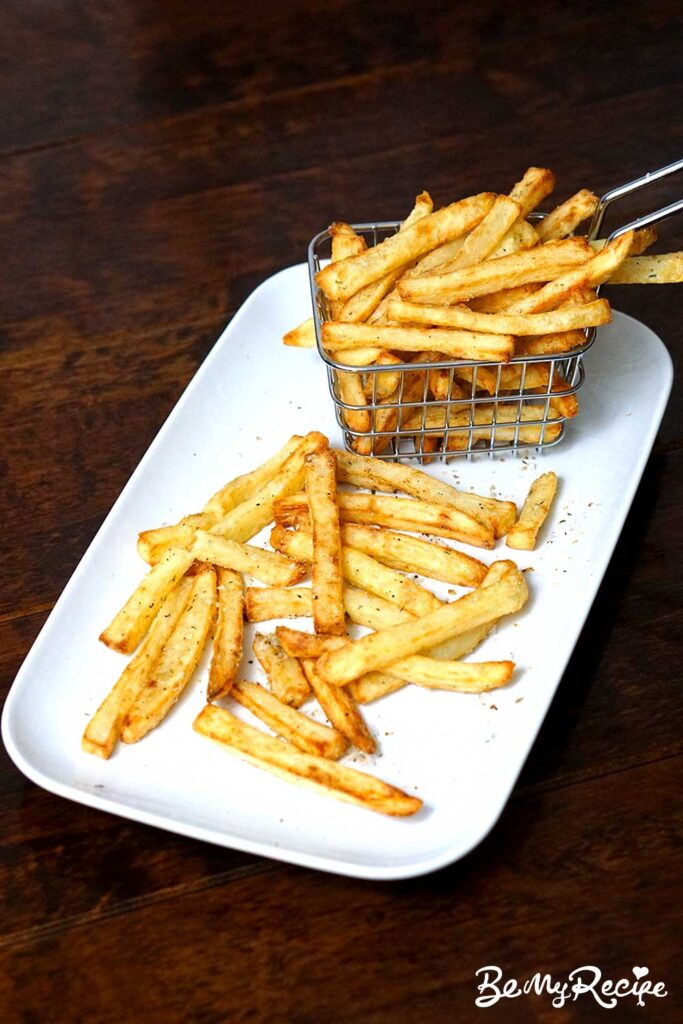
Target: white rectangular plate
x,y
460,753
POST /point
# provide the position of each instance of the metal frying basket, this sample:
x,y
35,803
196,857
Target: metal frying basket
x,y
481,416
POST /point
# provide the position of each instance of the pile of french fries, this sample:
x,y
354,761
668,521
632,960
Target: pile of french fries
x,y
362,552
475,280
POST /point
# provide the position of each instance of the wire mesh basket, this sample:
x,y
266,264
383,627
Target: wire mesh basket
x,y
446,408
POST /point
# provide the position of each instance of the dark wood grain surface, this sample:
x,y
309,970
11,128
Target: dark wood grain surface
x,y
158,160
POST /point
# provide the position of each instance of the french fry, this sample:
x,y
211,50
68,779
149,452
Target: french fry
x,y
285,675
341,280
550,344
263,603
460,676
537,183
382,384
300,730
282,759
591,314
245,486
407,514
372,474
592,273
302,336
499,302
340,337
151,543
350,387
643,238
380,649
374,685
563,220
391,418
266,566
103,729
346,243
534,512
666,268
411,554
326,571
360,305
128,626
507,415
541,263
177,661
229,634
521,236
376,614
340,709
363,571
248,518
488,234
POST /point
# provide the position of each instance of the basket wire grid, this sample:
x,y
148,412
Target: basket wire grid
x,y
471,419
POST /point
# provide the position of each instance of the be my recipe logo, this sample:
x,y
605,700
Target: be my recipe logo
x,y
585,982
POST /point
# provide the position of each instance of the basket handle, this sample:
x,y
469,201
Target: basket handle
x,y
634,186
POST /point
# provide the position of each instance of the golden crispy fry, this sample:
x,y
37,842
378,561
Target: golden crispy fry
x,y
326,571
407,514
488,234
374,685
365,301
380,649
340,709
103,729
506,417
411,554
589,275
591,314
263,603
666,268
391,418
128,626
521,236
302,336
562,405
460,676
309,736
376,614
362,571
361,357
380,385
284,674
541,263
245,486
340,337
152,543
550,344
563,220
229,634
350,388
346,243
343,279
393,476
643,238
266,566
500,302
177,661
537,183
319,773
248,518
534,512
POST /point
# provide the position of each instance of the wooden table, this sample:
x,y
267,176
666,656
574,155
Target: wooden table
x,y
158,160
